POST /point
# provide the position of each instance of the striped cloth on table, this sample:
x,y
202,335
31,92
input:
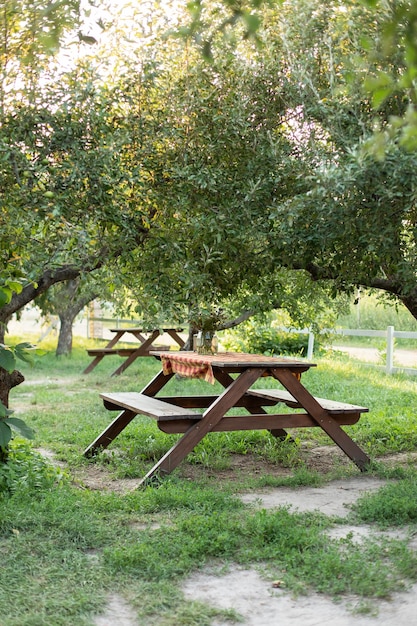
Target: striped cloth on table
x,y
189,365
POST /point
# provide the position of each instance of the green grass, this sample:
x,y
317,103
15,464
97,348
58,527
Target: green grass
x,y
64,548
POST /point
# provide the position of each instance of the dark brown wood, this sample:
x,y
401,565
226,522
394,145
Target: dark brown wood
x,y
134,404
253,407
174,334
263,421
176,414
143,350
129,351
236,362
322,418
101,355
198,402
131,354
155,385
110,433
101,351
223,403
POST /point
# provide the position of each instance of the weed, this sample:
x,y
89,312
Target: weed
x,y
145,542
394,505
27,470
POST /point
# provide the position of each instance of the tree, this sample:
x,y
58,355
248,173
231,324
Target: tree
x,y
398,37
66,300
351,71
218,156
201,182
62,182
351,218
10,282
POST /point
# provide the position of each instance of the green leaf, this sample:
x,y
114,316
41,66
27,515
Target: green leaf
x,y
7,359
22,352
5,434
5,295
21,427
381,87
24,345
380,95
15,286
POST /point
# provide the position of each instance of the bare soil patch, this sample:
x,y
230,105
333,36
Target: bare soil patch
x,y
321,459
247,591
260,604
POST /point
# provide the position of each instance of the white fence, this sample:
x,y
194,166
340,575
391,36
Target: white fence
x,y
390,334
86,326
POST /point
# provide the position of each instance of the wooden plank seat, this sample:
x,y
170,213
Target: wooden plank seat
x,y
146,405
174,419
101,351
132,404
122,351
332,406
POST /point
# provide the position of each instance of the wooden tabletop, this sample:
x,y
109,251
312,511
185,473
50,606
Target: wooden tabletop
x,y
144,330
235,359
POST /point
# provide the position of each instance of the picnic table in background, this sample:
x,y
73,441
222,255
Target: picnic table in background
x,y
132,353
236,372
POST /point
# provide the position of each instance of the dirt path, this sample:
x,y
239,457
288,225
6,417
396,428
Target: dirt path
x,y
260,603
405,358
247,591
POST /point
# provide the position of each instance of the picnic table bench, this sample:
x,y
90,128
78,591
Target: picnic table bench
x,y
131,354
195,416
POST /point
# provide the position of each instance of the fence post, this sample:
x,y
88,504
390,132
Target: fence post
x,y
390,350
310,347
95,326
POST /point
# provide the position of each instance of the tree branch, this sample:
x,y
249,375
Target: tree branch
x,y
238,320
33,290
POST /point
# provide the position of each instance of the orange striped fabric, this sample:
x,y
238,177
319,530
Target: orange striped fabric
x,y
191,366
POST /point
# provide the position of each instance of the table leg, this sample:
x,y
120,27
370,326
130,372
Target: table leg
x,y
110,433
322,417
141,351
93,364
125,417
175,336
225,379
157,383
98,358
211,417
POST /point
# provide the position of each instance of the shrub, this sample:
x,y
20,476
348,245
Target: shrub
x,y
26,470
265,339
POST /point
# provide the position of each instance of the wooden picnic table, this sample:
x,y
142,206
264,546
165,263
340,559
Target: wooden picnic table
x,y
131,354
236,372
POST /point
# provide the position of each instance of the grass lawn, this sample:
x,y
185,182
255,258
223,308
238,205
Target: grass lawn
x,y
65,546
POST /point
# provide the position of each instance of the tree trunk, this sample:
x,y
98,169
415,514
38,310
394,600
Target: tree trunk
x,y
64,345
410,302
67,315
7,382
